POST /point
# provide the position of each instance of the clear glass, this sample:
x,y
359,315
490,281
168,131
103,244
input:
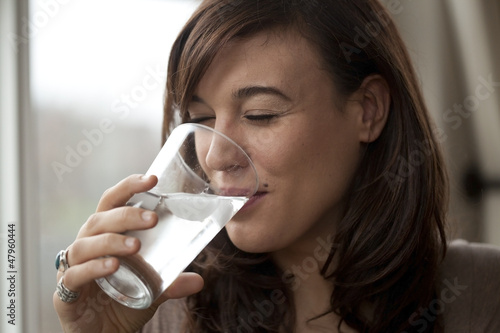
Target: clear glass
x,y
204,179
107,73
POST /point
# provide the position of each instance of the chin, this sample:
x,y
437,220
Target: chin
x,y
250,242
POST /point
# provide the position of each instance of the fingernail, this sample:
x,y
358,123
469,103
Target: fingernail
x,y
147,216
145,177
130,242
108,263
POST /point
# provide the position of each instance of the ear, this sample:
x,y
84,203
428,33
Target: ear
x,y
375,100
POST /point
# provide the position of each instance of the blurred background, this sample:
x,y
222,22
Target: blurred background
x,y
81,94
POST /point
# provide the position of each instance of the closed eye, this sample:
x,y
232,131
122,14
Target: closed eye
x,y
261,117
200,120
257,118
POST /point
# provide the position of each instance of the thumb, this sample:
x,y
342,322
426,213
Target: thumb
x,y
186,284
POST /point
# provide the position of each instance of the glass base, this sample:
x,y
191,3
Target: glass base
x,y
127,287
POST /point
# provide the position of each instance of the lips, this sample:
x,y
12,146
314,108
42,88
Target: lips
x,y
257,197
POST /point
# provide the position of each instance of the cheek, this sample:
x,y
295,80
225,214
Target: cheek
x,y
312,152
307,174
315,151
314,171
330,159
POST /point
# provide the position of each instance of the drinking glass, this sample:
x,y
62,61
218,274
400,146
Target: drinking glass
x,y
204,178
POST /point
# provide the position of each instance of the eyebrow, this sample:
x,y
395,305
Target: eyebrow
x,y
250,91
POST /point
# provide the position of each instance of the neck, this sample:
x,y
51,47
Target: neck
x,y
302,264
308,254
312,295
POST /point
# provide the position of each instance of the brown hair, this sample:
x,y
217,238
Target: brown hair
x,y
391,238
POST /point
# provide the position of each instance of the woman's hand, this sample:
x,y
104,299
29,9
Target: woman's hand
x,y
93,311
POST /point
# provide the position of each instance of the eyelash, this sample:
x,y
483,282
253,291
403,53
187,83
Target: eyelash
x,y
254,118
200,120
261,117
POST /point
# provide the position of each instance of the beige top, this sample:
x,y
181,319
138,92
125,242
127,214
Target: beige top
x,y
468,297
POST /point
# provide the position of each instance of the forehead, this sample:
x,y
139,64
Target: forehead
x,y
277,57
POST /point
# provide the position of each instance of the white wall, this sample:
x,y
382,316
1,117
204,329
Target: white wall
x,y
453,44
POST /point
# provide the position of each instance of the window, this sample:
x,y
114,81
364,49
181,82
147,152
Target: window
x,y
97,76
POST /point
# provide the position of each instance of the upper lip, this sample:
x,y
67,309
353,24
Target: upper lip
x,y
237,192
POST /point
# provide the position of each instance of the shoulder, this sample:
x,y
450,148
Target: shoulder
x,y
168,318
469,288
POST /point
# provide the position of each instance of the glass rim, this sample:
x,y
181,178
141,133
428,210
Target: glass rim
x,y
204,127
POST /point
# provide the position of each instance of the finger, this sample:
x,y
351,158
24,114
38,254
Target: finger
x,y
118,220
186,284
119,194
79,276
109,244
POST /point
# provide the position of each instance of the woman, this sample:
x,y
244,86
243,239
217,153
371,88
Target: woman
x,y
347,232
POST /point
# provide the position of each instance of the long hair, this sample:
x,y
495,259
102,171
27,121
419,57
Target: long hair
x,y
391,238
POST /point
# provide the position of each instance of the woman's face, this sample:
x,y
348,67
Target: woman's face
x,y
270,95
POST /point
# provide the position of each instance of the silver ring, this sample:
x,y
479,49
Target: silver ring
x,y
66,295
61,261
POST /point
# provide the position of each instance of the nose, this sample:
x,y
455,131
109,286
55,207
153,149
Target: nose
x,y
227,167
224,155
